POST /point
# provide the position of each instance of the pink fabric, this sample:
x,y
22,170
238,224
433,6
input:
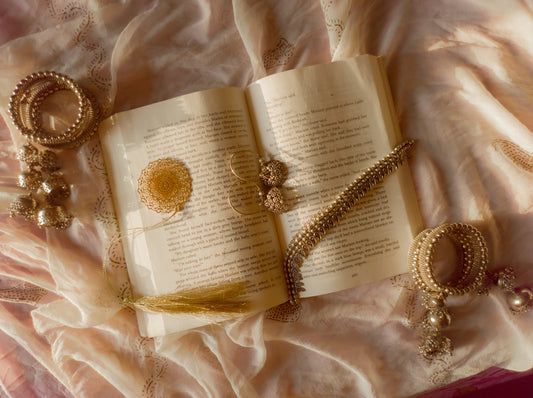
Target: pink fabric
x,y
462,79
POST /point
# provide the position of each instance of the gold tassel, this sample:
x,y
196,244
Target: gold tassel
x,y
224,299
228,298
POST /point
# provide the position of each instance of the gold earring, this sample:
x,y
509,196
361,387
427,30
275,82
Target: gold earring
x,y
273,173
245,197
266,176
274,201
165,185
519,300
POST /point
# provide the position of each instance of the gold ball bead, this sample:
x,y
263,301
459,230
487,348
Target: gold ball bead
x,y
518,301
439,318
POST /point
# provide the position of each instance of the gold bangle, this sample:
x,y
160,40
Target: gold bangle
x,y
472,251
28,97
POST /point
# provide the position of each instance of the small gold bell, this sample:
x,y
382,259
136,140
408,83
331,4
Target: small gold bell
x,y
28,154
30,179
53,216
434,345
23,205
56,188
48,161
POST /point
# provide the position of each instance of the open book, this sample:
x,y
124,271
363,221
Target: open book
x,y
326,123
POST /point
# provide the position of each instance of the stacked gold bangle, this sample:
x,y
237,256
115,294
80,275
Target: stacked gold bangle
x,y
470,275
472,251
26,102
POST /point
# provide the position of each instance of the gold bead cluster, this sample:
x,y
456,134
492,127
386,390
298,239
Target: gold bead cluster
x,y
326,219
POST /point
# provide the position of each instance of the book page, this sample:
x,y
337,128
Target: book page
x,y
207,242
328,123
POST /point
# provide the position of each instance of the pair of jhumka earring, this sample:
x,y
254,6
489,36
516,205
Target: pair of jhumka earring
x,y
470,275
47,189
46,186
265,178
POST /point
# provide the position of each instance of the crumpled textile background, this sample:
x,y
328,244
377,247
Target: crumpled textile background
x,y
461,75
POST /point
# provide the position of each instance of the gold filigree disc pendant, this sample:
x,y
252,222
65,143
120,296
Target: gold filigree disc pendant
x,y
165,185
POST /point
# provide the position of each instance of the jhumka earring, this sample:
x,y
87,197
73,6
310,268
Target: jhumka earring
x,y
47,189
518,299
46,186
266,182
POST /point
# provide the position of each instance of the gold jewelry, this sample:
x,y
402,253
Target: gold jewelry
x,y
30,179
519,300
273,173
28,154
469,276
268,181
48,161
42,176
48,186
56,188
25,206
274,201
326,219
245,168
28,97
55,216
165,185
245,197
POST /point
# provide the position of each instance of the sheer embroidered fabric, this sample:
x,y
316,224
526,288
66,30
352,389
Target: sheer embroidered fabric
x,y
459,73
